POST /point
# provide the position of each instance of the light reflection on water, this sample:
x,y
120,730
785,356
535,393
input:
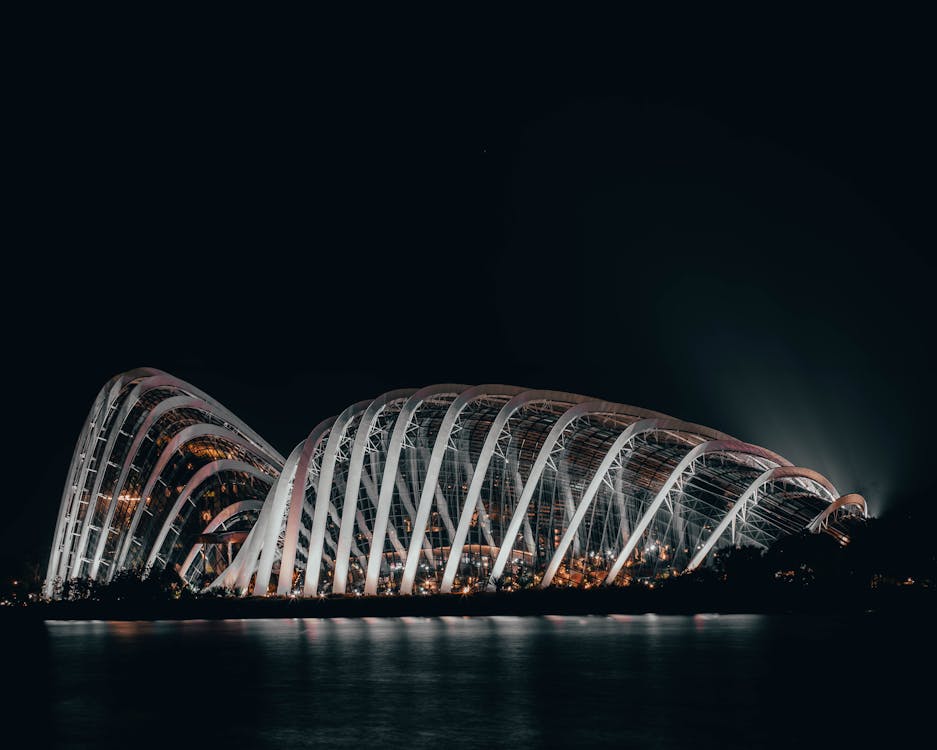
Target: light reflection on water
x,y
622,680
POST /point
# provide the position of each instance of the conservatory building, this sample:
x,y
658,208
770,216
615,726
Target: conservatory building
x,y
447,488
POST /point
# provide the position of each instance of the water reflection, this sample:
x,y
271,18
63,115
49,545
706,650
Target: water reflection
x,y
640,681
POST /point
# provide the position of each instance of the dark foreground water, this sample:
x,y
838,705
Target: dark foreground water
x,y
625,681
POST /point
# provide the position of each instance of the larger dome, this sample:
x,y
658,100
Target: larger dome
x,y
444,488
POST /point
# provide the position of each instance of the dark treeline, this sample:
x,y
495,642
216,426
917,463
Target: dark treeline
x,y
890,562
890,551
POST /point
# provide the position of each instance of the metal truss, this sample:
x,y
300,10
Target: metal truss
x,y
446,486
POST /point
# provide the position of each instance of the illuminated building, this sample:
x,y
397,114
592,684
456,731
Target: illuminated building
x,y
445,488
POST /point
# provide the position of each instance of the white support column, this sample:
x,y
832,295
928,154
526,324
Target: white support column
x,y
621,444
771,475
246,563
391,533
411,509
323,496
472,499
442,507
277,512
239,571
545,458
432,473
305,470
703,449
114,429
72,490
526,532
484,523
145,420
391,477
140,431
624,530
96,430
352,488
569,504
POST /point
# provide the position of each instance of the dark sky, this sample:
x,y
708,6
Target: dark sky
x,y
737,236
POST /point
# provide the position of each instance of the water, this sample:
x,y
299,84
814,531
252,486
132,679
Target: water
x,y
624,681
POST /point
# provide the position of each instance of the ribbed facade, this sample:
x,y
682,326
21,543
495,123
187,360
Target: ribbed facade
x,y
445,488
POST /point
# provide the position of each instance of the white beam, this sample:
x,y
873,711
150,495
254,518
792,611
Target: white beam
x,y
192,398
323,495
74,482
297,500
850,499
352,487
140,431
224,515
389,479
585,409
204,473
622,443
432,472
703,449
771,475
180,439
472,498
98,426
278,501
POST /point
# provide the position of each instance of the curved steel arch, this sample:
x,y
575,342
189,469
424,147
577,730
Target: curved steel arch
x,y
262,540
585,409
323,495
852,498
246,557
161,379
389,477
481,469
432,472
71,493
297,500
238,573
703,449
778,472
127,405
140,431
228,512
195,399
622,443
109,461
353,484
97,423
270,531
181,438
204,473
118,485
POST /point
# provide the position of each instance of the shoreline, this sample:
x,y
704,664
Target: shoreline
x,y
720,600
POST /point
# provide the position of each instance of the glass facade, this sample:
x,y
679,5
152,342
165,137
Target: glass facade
x,y
449,488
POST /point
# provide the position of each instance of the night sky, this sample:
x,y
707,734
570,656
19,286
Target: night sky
x,y
739,237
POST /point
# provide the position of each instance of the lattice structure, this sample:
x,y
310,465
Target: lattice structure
x,y
445,488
